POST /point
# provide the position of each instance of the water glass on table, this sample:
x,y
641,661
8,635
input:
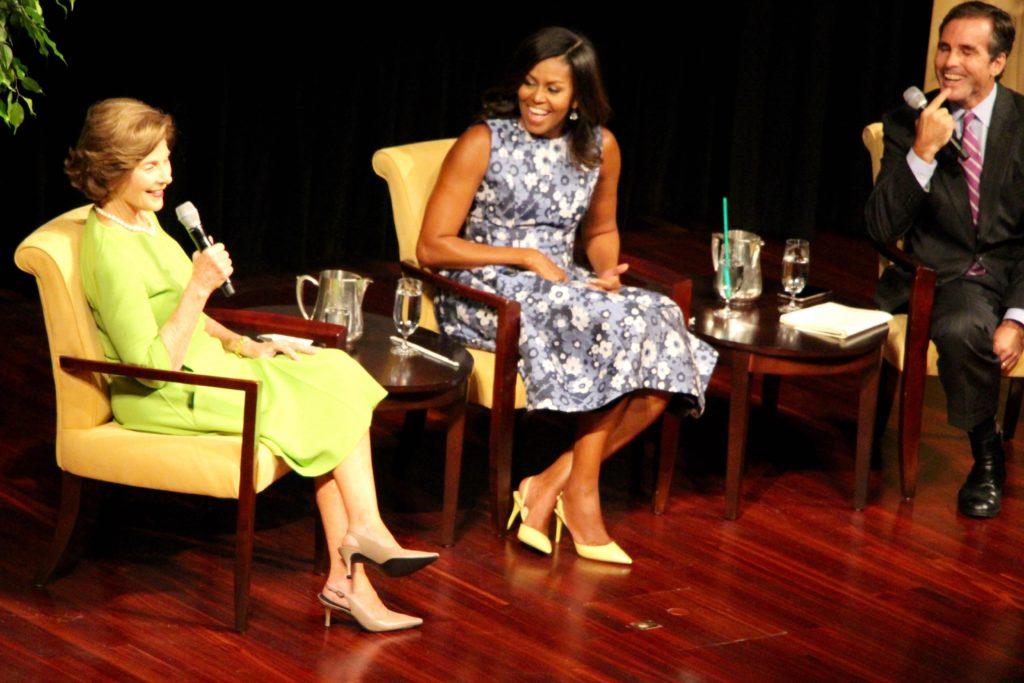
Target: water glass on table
x,y
796,263
408,297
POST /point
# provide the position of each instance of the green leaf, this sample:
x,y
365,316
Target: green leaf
x,y
31,85
3,111
15,114
28,101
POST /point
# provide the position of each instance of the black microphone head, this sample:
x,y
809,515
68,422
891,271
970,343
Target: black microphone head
x,y
188,215
914,98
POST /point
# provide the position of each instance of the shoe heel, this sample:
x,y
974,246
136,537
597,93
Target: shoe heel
x,y
515,513
559,518
327,617
347,555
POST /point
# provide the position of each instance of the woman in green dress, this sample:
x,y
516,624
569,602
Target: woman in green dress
x,y
147,298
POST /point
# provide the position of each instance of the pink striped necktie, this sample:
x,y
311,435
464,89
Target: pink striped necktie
x,y
972,165
972,172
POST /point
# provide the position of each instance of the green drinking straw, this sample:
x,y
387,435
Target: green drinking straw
x,y
725,255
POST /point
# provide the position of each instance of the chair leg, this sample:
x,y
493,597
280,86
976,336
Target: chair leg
x,y
887,386
911,403
502,428
1013,405
667,452
456,419
867,403
67,520
243,555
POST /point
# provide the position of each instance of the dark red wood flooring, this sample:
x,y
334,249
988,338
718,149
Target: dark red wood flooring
x,y
799,587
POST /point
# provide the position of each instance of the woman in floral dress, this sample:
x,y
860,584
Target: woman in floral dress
x,y
503,218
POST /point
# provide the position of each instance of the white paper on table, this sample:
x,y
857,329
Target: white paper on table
x,y
835,320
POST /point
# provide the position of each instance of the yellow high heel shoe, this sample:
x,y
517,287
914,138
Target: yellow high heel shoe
x,y
609,552
526,534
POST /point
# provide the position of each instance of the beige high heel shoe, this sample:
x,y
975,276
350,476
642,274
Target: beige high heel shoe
x,y
609,552
537,540
394,621
392,560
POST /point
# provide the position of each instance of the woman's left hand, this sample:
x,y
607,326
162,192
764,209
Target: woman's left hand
x,y
608,280
255,349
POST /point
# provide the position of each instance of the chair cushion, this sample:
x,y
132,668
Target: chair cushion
x,y
481,382
896,344
205,464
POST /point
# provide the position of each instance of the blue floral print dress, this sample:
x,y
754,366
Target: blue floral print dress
x,y
579,347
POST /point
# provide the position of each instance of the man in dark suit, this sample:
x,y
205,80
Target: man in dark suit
x,y
964,217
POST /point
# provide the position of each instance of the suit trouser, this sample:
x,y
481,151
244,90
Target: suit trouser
x,y
964,318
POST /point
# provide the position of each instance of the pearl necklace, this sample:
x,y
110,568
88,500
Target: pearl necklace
x,y
148,229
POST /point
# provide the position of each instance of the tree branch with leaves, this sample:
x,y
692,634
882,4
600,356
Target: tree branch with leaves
x,y
22,18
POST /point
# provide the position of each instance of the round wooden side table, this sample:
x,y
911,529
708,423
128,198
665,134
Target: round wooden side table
x,y
756,343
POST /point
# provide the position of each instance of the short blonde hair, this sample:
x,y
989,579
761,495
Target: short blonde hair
x,y
117,134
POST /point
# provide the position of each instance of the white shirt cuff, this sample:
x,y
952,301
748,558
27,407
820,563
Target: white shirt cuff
x,y
921,169
1014,314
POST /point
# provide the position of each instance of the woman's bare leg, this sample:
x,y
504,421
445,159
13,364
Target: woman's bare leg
x,y
348,503
629,417
336,524
354,478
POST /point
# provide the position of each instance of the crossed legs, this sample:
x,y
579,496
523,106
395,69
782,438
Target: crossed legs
x,y
347,498
575,473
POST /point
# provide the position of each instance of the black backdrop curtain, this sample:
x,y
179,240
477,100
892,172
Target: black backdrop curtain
x,y
280,110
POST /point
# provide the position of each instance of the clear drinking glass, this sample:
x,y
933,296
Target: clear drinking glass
x,y
728,276
408,296
796,263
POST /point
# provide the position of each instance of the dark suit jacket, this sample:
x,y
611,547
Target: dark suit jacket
x,y
936,225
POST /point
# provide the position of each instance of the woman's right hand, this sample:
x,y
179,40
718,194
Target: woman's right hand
x,y
211,268
538,262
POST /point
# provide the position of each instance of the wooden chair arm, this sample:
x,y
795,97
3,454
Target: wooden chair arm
x,y
919,321
74,365
246,480
899,258
326,334
506,342
919,306
440,281
656,276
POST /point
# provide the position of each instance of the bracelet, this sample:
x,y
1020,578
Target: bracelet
x,y
237,345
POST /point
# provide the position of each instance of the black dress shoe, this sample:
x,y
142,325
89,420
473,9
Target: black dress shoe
x,y
982,493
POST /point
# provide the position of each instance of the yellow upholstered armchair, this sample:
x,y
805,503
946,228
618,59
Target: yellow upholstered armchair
x,y
90,445
411,172
910,355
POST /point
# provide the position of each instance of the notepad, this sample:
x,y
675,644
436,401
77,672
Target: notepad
x,y
835,321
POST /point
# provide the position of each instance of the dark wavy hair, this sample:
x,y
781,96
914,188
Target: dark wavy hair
x,y
502,101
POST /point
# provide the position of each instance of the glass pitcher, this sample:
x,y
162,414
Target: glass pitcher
x,y
745,259
339,299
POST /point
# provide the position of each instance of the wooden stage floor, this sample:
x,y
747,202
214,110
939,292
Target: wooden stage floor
x,y
800,587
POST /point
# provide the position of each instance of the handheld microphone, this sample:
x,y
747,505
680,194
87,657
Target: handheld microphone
x,y
188,216
915,99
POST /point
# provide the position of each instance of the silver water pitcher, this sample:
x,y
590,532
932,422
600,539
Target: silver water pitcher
x,y
339,299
